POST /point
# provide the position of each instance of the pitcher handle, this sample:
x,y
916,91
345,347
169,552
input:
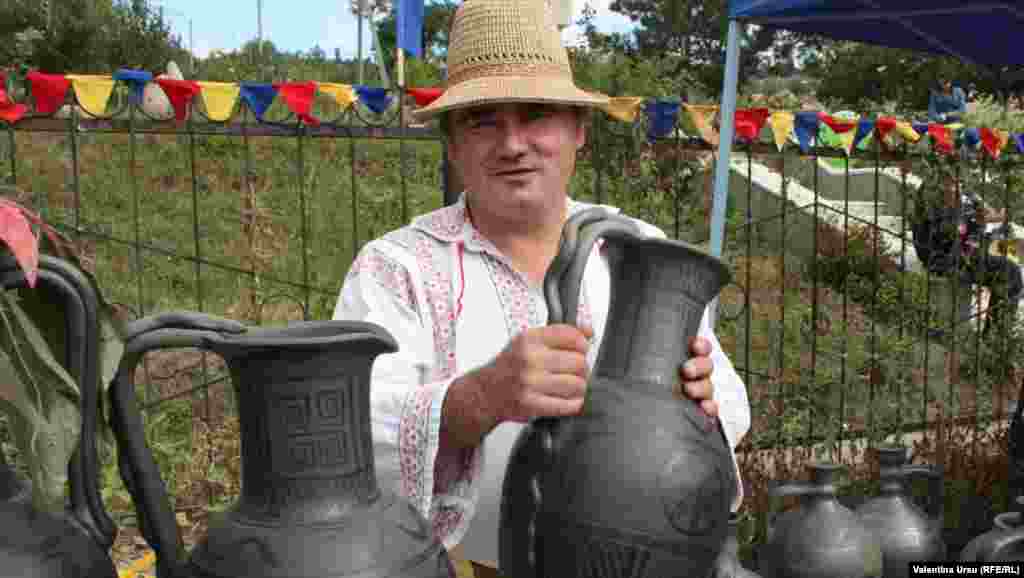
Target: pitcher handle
x,y
936,488
83,331
138,468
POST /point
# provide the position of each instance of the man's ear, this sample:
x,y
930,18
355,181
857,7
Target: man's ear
x,y
581,131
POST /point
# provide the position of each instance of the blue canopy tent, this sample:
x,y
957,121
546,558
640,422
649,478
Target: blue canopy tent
x,y
982,32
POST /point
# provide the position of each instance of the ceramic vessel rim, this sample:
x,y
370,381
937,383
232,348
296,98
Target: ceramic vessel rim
x,y
718,264
320,334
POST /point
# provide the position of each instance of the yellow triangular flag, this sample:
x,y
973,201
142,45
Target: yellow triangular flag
x,y
624,108
699,114
905,130
782,126
846,138
343,94
219,98
92,92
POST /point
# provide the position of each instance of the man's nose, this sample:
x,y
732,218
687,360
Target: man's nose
x,y
513,136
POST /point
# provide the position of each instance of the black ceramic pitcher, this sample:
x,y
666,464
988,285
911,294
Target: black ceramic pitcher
x,y
1003,543
906,533
641,482
76,543
820,539
310,502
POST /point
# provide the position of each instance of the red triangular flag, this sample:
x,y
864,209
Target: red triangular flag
x,y
885,125
750,121
180,93
942,137
48,90
10,111
425,96
837,126
993,141
16,233
299,98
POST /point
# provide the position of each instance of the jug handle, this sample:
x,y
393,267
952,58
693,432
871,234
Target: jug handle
x,y
779,490
138,469
84,329
936,488
994,543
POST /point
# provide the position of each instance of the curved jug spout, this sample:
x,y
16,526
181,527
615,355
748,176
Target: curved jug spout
x,y
310,502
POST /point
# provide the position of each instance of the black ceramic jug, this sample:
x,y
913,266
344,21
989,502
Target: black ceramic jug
x,y
640,483
906,533
1004,543
76,543
310,502
821,538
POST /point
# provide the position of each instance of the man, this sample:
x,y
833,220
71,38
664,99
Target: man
x,y
460,288
947,105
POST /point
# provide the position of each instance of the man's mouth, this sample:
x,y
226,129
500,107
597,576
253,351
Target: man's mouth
x,y
513,172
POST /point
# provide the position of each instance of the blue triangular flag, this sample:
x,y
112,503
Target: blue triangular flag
x,y
375,98
864,129
1018,139
920,127
661,117
409,26
972,138
805,125
136,80
258,97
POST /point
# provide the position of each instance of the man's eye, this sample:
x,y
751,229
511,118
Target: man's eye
x,y
537,113
482,122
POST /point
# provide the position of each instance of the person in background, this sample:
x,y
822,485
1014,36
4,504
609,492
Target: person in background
x,y
460,287
947,104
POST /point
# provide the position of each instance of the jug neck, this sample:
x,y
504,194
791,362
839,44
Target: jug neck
x,y
658,295
307,451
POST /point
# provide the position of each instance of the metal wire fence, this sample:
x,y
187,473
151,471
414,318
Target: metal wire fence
x,y
843,338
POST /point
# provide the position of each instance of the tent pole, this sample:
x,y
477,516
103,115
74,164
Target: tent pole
x,y
728,122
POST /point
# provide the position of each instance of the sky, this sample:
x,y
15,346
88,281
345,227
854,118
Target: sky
x,y
295,25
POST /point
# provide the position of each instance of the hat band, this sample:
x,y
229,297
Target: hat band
x,y
508,69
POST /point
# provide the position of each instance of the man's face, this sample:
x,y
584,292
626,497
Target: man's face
x,y
515,157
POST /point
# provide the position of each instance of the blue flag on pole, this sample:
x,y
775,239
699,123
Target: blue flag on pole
x,y
409,24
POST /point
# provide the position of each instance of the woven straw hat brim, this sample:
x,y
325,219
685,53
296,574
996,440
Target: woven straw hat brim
x,y
510,89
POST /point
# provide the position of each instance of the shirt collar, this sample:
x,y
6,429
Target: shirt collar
x,y
450,225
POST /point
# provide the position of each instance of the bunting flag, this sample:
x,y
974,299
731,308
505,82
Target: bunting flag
x,y
865,128
341,93
1018,139
623,108
908,131
409,26
180,93
994,140
699,115
299,98
782,127
885,125
376,99
972,138
10,111
750,121
48,90
661,114
943,137
425,96
92,92
136,80
806,128
219,99
920,128
258,97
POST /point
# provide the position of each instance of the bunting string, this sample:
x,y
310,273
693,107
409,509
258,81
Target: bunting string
x,y
844,131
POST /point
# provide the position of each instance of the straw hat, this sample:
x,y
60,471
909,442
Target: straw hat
x,y
506,51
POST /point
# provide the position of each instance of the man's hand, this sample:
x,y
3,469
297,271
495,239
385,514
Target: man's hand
x,y
542,372
695,376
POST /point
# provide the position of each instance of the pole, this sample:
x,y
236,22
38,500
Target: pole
x,y
191,52
728,107
400,66
259,32
359,42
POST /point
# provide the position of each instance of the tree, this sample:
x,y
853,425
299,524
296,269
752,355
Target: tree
x,y
694,31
